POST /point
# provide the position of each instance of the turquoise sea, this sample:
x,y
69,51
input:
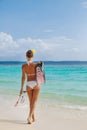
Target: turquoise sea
x,y
66,83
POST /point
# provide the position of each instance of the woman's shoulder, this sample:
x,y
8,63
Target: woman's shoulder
x,y
33,64
24,66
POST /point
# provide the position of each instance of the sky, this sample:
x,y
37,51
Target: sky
x,y
56,29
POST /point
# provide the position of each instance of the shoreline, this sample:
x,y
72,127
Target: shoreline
x,y
10,100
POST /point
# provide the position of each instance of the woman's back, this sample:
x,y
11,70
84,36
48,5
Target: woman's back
x,y
30,71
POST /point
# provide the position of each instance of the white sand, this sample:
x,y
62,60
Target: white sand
x,y
47,118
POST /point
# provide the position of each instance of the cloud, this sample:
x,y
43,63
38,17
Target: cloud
x,y
84,4
56,48
7,45
75,49
15,49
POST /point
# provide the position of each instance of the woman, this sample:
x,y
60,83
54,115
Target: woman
x,y
32,88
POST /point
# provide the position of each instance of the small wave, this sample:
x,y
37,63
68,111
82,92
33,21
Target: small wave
x,y
76,107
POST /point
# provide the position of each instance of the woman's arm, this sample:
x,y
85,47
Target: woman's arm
x,y
22,80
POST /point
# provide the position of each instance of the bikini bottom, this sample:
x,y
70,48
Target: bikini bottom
x,y
31,84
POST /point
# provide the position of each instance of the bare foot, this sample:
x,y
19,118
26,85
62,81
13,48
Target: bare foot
x,y
29,121
33,118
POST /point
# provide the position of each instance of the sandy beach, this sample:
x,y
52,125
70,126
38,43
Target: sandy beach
x,y
47,117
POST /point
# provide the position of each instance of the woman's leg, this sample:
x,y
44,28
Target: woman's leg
x,y
30,96
36,91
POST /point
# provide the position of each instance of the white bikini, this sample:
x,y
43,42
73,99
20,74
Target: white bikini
x,y
33,83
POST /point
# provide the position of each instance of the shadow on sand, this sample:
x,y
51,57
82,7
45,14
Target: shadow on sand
x,y
12,121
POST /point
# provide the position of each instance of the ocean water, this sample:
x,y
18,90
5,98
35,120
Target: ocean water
x,y
66,83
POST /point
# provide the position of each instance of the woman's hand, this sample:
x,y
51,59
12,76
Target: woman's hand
x,y
21,91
